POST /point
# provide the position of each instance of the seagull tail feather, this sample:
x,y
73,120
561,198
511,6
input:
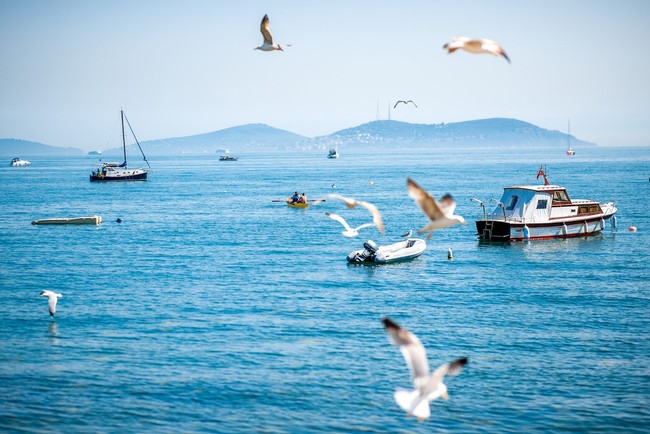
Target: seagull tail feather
x,y
413,403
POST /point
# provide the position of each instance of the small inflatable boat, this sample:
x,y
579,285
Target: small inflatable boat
x,y
400,251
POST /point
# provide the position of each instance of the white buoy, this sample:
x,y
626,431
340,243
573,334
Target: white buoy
x,y
614,222
526,232
450,255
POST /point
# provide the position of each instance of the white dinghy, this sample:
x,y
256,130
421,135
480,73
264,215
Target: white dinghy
x,y
400,251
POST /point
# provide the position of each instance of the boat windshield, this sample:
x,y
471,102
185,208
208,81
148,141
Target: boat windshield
x,y
560,196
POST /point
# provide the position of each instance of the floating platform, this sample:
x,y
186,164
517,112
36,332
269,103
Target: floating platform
x,y
93,220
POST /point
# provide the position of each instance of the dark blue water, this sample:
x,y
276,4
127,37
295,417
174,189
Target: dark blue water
x,y
211,308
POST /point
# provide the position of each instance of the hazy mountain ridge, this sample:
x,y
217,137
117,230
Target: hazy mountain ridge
x,y
496,132
18,148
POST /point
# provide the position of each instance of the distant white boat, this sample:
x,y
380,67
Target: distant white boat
x,y
227,156
95,153
569,150
17,162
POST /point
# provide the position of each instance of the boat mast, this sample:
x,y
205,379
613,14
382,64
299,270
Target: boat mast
x,y
123,136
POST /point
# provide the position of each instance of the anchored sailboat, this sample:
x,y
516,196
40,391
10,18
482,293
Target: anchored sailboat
x,y
121,172
569,150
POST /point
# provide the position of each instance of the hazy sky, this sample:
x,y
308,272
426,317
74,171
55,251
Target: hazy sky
x,y
188,67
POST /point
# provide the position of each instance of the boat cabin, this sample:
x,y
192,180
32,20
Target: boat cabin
x,y
540,203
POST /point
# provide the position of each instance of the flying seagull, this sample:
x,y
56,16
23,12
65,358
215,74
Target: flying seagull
x,y
476,46
405,102
352,203
440,213
52,299
268,44
349,231
428,386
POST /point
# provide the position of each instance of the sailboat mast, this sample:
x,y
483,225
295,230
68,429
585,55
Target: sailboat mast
x,y
123,136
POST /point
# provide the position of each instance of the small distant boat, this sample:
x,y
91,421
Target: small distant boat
x,y
227,156
17,162
92,220
121,172
542,212
400,251
569,150
333,153
95,153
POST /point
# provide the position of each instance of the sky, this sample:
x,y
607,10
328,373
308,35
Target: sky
x,y
185,67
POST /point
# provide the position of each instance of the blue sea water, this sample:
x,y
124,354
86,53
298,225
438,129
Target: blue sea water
x,y
211,308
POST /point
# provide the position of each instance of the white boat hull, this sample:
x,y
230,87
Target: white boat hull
x,y
556,228
400,251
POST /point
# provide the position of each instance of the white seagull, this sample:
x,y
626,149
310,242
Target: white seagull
x,y
349,231
268,44
52,299
440,213
352,203
476,46
428,386
405,102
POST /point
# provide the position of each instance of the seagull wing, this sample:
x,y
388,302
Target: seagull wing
x,y
376,215
451,369
494,47
339,219
365,225
398,103
447,205
456,43
349,202
412,350
427,203
411,101
266,33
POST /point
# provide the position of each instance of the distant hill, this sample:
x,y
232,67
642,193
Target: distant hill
x,y
21,148
497,132
251,137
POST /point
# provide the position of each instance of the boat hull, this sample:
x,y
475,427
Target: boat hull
x,y
297,205
499,230
400,251
130,175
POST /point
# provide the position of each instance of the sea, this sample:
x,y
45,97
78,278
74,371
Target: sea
x,y
213,307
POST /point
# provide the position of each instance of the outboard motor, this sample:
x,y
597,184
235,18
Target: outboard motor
x,y
370,248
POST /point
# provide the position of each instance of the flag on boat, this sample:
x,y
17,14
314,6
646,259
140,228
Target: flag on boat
x,y
540,173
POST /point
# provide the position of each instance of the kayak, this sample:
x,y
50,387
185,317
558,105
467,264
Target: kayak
x,y
297,205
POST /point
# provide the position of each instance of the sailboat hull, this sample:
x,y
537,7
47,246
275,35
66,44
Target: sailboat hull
x,y
122,175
